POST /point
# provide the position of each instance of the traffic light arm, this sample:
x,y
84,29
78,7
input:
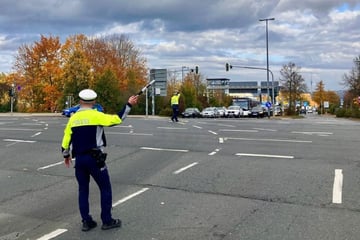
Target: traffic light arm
x,y
258,68
229,66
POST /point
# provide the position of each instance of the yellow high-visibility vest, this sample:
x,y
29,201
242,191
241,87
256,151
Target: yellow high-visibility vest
x,y
175,99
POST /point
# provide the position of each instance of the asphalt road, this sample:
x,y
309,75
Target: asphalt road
x,y
198,179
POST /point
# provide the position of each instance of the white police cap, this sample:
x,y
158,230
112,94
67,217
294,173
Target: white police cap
x,y
87,95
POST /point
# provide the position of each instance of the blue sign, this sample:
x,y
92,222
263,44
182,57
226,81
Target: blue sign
x,y
268,104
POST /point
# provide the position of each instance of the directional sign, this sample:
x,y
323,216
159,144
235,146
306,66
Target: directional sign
x,y
268,104
160,76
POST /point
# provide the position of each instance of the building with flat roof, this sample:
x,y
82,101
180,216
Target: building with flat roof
x,y
253,89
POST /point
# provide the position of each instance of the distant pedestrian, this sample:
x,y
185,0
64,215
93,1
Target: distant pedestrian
x,y
85,133
175,106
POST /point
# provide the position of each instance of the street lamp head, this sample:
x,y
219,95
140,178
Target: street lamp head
x,y
266,19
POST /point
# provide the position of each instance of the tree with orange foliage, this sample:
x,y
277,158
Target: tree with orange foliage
x,y
39,69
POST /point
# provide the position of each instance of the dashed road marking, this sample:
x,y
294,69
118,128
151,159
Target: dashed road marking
x,y
185,168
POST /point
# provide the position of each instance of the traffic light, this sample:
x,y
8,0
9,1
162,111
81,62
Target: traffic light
x,y
228,66
196,69
11,92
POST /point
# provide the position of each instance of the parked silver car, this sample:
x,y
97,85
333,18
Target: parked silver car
x,y
208,112
234,111
220,112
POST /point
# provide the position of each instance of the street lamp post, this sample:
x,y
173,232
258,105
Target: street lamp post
x,y
12,98
267,56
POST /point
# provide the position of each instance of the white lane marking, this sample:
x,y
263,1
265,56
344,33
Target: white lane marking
x,y
53,234
131,133
214,152
237,130
36,134
263,155
172,128
49,166
265,129
225,125
311,133
268,140
212,132
31,124
18,140
129,197
197,127
221,140
337,187
164,149
123,126
185,168
19,129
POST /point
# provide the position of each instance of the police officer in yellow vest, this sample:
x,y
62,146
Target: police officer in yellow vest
x,y
175,106
85,133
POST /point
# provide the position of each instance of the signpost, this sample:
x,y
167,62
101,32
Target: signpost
x,y
160,85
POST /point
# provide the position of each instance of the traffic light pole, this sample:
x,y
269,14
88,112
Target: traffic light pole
x,y
228,66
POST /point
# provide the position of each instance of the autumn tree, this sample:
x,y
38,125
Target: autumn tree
x,y
77,75
293,84
320,95
130,67
39,70
352,80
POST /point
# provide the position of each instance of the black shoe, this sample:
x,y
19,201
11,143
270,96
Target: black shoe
x,y
88,225
114,223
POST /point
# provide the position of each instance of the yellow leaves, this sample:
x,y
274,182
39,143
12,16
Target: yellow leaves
x,y
48,70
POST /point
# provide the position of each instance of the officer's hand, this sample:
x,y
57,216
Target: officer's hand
x,y
67,161
133,100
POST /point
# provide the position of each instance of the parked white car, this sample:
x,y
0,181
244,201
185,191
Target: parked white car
x,y
220,112
208,112
234,111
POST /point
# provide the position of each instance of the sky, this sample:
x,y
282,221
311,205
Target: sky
x,y
322,37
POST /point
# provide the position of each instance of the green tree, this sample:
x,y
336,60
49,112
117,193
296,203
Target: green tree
x,y
106,86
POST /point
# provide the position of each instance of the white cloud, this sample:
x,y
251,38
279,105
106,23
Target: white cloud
x,y
320,36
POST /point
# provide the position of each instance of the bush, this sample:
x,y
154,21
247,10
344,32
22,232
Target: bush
x,y
348,113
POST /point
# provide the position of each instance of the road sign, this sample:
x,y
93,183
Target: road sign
x,y
160,77
268,104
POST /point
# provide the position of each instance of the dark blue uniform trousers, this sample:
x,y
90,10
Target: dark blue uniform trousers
x,y
175,108
85,166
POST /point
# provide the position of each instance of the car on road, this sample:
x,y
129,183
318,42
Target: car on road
x,y
209,112
71,110
234,111
191,113
220,111
277,111
258,112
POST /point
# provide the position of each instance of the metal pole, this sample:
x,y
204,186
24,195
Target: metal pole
x,y
11,104
147,103
267,59
153,100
